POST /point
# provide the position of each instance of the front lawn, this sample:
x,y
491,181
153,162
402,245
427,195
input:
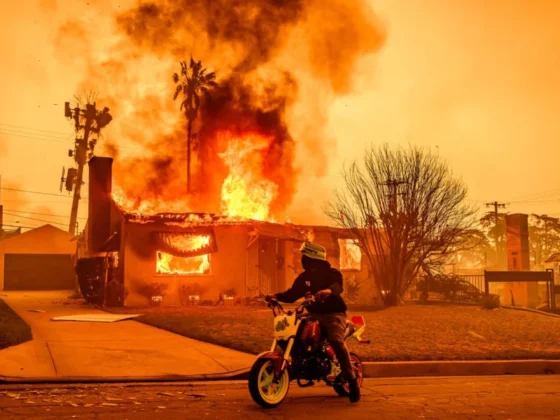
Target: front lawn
x,y
13,330
410,332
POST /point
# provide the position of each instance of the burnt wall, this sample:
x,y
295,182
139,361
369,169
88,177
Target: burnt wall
x,y
227,266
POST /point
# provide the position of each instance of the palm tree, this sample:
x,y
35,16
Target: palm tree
x,y
192,82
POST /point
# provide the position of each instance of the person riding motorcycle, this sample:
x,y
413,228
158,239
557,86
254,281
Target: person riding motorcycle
x,y
326,284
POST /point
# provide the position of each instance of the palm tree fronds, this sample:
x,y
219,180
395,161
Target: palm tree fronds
x,y
177,91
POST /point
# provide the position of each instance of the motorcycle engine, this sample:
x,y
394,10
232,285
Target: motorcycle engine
x,y
314,367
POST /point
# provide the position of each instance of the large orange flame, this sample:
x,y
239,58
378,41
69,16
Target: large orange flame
x,y
246,193
170,264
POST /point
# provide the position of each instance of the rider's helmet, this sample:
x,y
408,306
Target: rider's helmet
x,y
314,251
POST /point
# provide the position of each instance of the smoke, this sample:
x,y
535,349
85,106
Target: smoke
x,y
279,66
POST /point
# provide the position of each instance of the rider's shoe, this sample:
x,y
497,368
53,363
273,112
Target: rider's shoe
x,y
354,391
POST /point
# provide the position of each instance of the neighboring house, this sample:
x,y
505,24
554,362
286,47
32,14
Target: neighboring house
x,y
39,259
214,252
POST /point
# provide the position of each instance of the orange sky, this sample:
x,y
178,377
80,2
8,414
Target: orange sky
x,y
481,83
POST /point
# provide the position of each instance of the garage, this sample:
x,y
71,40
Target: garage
x,y
39,259
38,272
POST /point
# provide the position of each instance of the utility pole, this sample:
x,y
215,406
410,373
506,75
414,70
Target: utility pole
x,y
393,186
496,206
90,121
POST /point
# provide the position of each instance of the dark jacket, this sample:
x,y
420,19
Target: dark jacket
x,y
320,278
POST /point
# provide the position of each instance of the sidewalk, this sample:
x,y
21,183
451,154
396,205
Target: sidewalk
x,y
97,350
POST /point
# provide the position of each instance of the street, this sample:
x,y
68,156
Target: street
x,y
496,397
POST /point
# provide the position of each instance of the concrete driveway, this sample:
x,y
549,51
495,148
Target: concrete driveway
x,y
91,349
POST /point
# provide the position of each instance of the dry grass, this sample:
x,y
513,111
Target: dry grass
x,y
13,330
411,332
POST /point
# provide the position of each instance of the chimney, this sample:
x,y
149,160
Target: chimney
x,y
99,204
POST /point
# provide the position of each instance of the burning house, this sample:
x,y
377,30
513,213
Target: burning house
x,y
249,148
197,256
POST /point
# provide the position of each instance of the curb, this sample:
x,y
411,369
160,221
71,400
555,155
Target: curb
x,y
535,311
230,376
371,370
460,368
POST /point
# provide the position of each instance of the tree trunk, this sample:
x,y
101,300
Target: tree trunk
x,y
392,299
189,133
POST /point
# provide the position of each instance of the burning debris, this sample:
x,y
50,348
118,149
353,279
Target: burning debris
x,y
279,65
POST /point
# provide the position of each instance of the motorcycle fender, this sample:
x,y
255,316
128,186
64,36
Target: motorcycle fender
x,y
276,358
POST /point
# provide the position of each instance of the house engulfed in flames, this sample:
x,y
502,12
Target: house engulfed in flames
x,y
216,253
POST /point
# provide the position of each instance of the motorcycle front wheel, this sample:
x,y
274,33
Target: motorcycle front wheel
x,y
264,390
344,389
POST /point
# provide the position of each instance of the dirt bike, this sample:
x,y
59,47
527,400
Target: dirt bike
x,y
300,352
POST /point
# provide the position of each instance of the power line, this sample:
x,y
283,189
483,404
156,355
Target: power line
x,y
35,129
41,214
40,135
23,227
34,138
35,202
37,192
32,218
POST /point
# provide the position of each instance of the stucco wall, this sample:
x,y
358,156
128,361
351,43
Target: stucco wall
x,y
227,266
44,240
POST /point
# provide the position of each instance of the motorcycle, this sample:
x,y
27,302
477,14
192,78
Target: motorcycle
x,y
300,352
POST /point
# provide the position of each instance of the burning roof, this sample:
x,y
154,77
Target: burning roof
x,y
287,231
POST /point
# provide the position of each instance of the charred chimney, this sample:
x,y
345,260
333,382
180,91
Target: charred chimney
x,y
99,204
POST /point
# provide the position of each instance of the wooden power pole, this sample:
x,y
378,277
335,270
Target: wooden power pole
x,y
89,122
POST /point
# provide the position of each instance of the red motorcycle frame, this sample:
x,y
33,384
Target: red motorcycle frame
x,y
299,351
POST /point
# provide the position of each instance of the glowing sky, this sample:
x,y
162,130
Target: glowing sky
x,y
479,80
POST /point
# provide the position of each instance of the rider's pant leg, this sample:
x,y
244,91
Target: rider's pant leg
x,y
335,326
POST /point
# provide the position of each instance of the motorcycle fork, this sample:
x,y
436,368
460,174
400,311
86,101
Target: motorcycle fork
x,y
286,355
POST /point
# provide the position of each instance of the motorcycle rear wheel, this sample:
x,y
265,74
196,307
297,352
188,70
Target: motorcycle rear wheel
x,y
263,390
344,389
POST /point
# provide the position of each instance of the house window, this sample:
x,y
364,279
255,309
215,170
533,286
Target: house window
x,y
182,266
182,254
350,254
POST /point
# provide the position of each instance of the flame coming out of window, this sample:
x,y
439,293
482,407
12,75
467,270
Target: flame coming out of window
x,y
350,254
179,266
184,266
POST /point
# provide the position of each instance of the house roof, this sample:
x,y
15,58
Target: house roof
x,y
46,239
183,219
288,232
553,258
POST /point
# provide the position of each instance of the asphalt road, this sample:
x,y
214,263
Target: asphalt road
x,y
497,397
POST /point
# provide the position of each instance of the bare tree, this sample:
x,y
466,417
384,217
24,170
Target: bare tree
x,y
407,211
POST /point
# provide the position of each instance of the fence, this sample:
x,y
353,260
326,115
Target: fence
x,y
452,287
